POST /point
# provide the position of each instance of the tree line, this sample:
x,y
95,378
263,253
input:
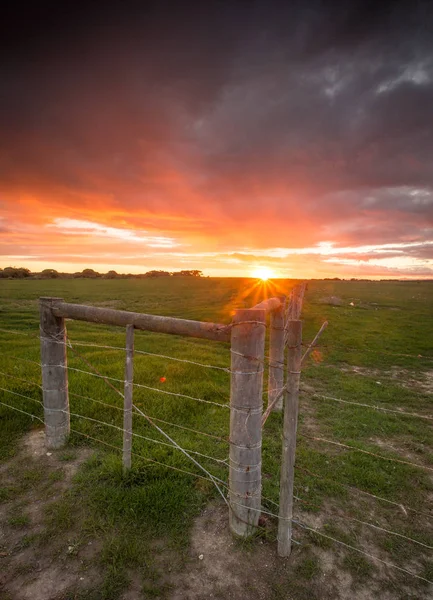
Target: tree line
x,y
23,273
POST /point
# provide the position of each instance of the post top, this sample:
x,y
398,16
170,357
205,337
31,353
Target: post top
x,y
270,304
249,314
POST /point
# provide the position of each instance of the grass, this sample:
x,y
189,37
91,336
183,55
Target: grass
x,y
308,568
387,333
19,520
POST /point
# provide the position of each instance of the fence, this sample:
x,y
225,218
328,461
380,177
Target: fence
x,y
247,338
246,335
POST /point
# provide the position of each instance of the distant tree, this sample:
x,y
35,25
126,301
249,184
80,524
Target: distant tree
x,y
90,274
49,274
111,275
188,273
15,273
157,274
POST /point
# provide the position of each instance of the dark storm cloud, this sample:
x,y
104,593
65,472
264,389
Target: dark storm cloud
x,y
318,117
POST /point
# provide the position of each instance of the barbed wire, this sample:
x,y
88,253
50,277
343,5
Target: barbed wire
x,y
352,488
347,446
218,437
106,404
175,444
73,414
380,351
22,396
24,412
325,346
300,524
107,381
138,435
120,408
373,406
140,385
388,564
154,354
123,349
35,362
106,377
33,416
146,353
367,523
147,459
15,332
136,351
20,379
161,431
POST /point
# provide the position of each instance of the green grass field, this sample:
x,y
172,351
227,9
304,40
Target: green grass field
x,y
377,350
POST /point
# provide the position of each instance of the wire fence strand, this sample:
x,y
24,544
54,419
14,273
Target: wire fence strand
x,y
403,507
120,408
20,379
22,396
420,355
146,387
347,446
145,458
374,407
24,412
373,557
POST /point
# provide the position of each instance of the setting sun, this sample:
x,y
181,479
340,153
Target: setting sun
x,y
263,273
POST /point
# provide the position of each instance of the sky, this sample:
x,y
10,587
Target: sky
x,y
220,136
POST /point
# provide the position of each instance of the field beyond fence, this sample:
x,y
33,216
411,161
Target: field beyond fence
x,y
363,519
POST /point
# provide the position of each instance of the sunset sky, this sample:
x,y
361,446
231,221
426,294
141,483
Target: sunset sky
x,y
219,136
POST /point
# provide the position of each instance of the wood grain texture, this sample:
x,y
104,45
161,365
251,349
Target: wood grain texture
x,y
248,344
54,374
276,356
291,404
109,316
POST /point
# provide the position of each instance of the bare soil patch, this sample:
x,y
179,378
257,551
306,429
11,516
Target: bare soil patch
x,y
221,567
33,565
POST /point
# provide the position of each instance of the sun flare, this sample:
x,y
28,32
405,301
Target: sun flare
x,y
263,273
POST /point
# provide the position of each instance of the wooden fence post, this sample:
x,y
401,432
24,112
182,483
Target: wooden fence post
x,y
127,405
54,374
246,391
291,401
276,355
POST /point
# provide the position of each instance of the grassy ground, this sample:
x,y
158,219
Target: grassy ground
x,y
375,351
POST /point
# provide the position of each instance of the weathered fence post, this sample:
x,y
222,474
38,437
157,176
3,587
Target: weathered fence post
x,y
127,406
247,358
291,401
276,355
54,374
